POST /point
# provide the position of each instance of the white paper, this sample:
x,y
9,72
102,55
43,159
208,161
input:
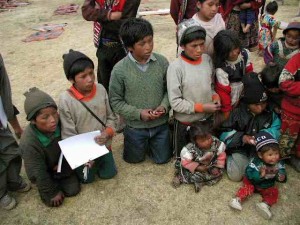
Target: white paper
x,y
82,148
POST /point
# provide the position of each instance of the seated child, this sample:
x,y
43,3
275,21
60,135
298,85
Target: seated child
x,y
250,117
270,77
284,48
10,158
75,118
190,82
202,160
232,63
261,174
41,152
247,16
137,91
268,26
289,83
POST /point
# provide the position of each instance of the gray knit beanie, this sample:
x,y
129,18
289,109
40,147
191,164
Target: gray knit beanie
x,y
70,58
35,101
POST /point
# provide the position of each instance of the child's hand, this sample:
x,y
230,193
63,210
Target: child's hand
x,y
202,168
281,177
115,15
90,164
263,171
57,200
145,115
211,107
102,138
158,112
250,140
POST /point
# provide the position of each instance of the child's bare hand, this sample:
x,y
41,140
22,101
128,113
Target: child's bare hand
x,y
263,171
57,200
90,164
281,177
102,138
202,168
158,112
250,140
145,115
211,107
115,15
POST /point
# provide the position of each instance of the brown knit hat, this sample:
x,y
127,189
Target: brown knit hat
x,y
35,101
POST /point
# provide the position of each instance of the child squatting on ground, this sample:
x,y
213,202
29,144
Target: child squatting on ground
x,y
138,92
41,152
261,174
75,118
202,160
10,158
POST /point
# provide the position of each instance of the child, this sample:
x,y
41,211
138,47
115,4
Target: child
x,y
269,26
250,117
270,77
284,48
202,160
190,81
74,104
10,159
247,16
41,152
231,63
289,83
108,16
261,174
138,92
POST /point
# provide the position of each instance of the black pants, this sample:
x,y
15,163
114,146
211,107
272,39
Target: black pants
x,y
107,58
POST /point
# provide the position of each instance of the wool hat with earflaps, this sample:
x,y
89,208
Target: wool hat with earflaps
x,y
70,58
254,91
264,138
35,101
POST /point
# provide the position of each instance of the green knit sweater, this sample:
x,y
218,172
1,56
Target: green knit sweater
x,y
132,90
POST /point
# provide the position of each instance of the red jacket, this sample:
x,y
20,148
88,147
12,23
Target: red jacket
x,y
289,83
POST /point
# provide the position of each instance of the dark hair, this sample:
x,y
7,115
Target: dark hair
x,y
270,75
200,128
224,42
79,66
268,147
196,35
272,7
134,30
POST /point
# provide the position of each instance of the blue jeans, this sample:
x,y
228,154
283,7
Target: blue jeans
x,y
139,141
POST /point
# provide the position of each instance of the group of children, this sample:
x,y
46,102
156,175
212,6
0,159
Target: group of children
x,y
221,116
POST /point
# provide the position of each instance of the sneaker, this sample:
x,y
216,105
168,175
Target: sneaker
x,y
236,204
264,210
24,187
7,202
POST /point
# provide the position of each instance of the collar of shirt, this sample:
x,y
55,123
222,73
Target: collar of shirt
x,y
80,96
44,139
142,67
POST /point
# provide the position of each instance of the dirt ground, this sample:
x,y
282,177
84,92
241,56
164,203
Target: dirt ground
x,y
140,193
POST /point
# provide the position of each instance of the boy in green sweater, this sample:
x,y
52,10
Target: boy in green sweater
x,y
137,91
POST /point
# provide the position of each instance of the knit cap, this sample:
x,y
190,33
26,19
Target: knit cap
x,y
35,101
254,91
264,138
292,26
70,58
187,27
